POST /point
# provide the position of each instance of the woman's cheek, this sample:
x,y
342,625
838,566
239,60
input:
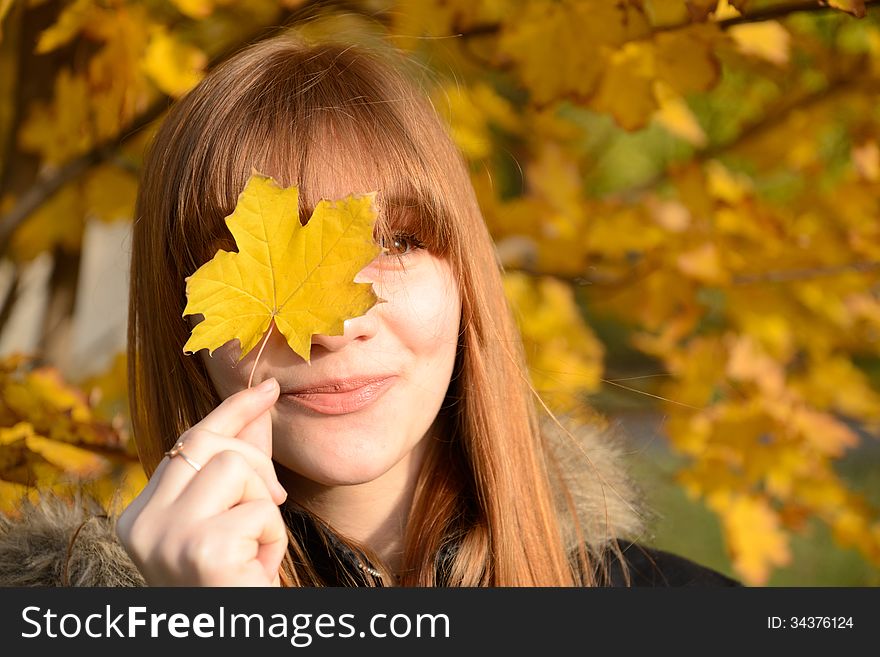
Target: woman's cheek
x,y
224,369
431,313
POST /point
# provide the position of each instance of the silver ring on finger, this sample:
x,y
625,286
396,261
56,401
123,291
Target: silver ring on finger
x,y
177,450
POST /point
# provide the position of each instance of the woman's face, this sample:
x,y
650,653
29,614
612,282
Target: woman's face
x,y
363,405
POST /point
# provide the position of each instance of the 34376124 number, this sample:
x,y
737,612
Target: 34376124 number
x,y
820,622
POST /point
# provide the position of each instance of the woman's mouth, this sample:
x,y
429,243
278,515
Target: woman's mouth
x,y
339,397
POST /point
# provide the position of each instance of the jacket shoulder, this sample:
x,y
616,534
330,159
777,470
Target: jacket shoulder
x,y
651,567
56,542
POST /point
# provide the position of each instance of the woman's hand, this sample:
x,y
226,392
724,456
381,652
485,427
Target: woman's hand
x,y
220,525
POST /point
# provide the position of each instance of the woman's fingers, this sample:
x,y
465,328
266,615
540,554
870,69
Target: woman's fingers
x,y
237,411
201,446
258,432
223,528
225,481
252,533
209,514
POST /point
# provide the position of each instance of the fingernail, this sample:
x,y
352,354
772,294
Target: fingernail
x,y
282,492
267,386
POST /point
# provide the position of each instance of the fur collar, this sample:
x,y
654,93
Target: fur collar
x,y
60,542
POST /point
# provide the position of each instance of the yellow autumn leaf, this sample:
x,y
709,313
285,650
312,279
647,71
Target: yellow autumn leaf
x,y
836,382
107,391
473,112
300,277
767,40
822,431
748,362
686,59
61,130
674,114
413,20
563,353
727,9
535,34
662,13
194,8
73,460
703,263
672,215
45,386
725,185
12,494
866,160
70,23
109,193
174,66
625,89
58,223
118,490
756,540
119,89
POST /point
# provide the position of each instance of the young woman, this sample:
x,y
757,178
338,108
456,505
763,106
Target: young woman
x,y
408,451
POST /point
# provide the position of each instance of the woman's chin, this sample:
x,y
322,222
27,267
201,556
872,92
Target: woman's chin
x,y
331,468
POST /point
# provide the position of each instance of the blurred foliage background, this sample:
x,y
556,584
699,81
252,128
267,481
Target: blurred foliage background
x,y
685,195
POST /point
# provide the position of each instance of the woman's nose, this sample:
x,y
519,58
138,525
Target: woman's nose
x,y
359,328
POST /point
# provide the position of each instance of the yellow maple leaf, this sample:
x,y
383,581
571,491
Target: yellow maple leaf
x,y
768,40
12,494
756,540
866,160
726,185
175,66
474,111
73,460
60,130
674,114
300,277
564,355
194,8
703,263
70,23
726,9
535,33
748,362
686,59
625,89
661,13
58,223
109,193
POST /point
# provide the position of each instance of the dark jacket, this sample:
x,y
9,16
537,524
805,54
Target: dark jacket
x,y
651,567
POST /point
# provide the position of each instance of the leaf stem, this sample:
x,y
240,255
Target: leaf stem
x,y
260,352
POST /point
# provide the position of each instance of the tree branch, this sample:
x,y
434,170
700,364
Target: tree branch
x,y
47,185
780,276
764,14
786,276
780,11
762,125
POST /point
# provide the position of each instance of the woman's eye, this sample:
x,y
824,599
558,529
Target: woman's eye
x,y
400,245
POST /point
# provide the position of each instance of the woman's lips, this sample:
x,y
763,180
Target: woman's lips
x,y
340,397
